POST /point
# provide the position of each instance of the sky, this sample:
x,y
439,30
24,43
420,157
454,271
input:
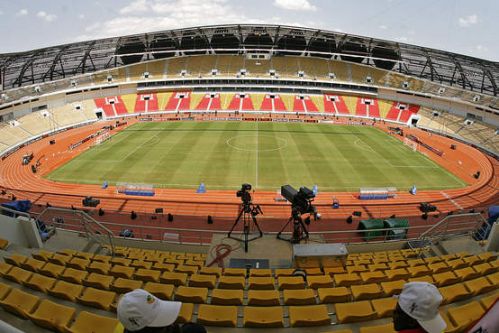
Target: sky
x,y
461,26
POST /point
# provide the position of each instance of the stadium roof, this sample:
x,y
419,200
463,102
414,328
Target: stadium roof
x,y
63,61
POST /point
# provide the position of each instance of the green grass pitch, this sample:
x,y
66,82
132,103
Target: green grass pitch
x,y
223,155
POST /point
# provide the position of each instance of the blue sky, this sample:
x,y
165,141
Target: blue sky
x,y
462,26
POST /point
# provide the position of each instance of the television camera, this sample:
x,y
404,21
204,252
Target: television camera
x,y
301,204
247,213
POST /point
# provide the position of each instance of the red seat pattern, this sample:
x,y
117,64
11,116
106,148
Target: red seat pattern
x,y
210,102
304,104
146,103
112,106
406,114
367,107
394,112
241,103
179,101
335,104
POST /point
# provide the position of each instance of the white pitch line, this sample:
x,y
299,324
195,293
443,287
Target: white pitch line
x,y
256,159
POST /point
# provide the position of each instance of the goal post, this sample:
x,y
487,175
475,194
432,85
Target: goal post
x,y
411,144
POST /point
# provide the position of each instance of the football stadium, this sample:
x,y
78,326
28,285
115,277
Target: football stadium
x,y
270,178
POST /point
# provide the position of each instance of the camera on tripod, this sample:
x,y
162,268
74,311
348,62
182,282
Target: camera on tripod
x,y
244,193
301,200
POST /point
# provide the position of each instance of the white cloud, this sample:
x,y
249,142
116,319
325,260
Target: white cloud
x,y
383,27
481,48
295,5
22,12
468,20
1,12
81,16
402,39
138,6
46,17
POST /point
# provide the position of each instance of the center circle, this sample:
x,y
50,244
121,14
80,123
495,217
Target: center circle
x,y
254,143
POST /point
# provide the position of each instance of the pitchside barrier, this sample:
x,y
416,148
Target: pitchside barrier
x,y
377,193
144,190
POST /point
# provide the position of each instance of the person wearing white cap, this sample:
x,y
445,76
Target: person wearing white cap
x,y
417,309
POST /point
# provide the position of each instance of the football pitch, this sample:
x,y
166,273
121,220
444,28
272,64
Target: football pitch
x,y
223,155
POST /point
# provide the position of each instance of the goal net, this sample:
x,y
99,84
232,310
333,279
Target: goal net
x,y
411,144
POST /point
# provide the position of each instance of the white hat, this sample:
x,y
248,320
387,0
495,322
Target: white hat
x,y
138,309
420,300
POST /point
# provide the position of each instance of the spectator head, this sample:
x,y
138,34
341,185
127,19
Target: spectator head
x,y
139,309
418,307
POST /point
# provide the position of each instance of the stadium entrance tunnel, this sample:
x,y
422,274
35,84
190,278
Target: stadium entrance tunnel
x,y
256,143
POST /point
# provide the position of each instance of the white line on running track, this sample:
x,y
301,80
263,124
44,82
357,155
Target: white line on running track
x,y
256,171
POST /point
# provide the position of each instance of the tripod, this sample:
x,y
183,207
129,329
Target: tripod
x,y
248,213
300,231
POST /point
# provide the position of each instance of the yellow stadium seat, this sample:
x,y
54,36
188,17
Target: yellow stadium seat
x,y
4,290
227,297
438,267
87,322
73,275
52,316
147,275
66,290
397,265
216,315
356,269
99,267
465,313
425,278
445,278
120,261
99,281
377,267
334,295
5,268
290,282
235,272
191,294
417,271
52,270
42,255
177,279
466,273
479,285
487,256
20,302
386,328
354,312
217,271
141,264
456,264
101,258
15,259
432,260
397,274
3,244
18,275
260,272
163,267
299,296
263,297
392,287
484,268
187,269
373,277
313,271
101,299
162,291
454,293
451,328
120,271
493,278
32,265
487,301
472,260
345,280
261,282
263,317
334,270
415,262
366,291
185,314
320,281
40,282
121,285
384,307
60,259
284,272
231,282
67,252
314,315
84,255
203,281
78,263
